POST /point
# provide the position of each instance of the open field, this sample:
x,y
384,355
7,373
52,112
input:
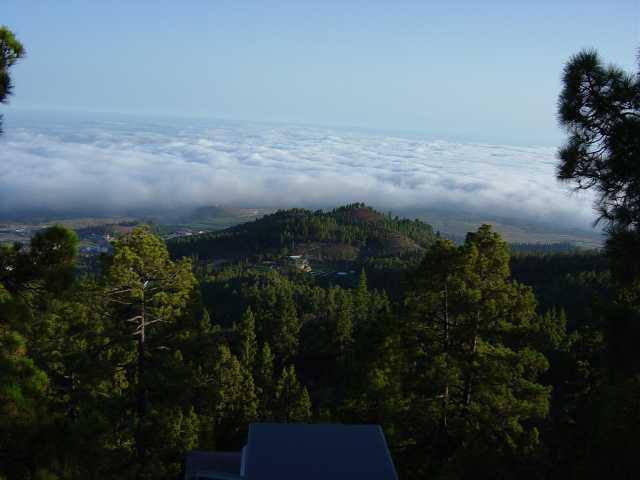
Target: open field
x,y
455,225
14,231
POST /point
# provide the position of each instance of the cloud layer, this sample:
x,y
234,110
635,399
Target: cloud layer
x,y
118,166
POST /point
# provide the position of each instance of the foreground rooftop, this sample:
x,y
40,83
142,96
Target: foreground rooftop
x,y
299,451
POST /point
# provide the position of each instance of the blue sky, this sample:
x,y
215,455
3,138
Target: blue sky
x,y
466,70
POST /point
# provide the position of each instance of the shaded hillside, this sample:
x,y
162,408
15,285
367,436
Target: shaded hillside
x,y
576,282
345,233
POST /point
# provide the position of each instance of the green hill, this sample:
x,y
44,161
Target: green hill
x,y
351,232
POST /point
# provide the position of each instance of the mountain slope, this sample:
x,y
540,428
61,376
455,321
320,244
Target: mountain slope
x,y
345,233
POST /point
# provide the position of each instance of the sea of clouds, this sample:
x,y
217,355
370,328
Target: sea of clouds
x,y
115,166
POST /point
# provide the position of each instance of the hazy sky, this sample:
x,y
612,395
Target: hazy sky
x,y
468,70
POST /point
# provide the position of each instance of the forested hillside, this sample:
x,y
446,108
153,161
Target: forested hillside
x,y
349,232
115,374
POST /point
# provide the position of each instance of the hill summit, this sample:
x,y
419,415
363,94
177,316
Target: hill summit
x,y
351,232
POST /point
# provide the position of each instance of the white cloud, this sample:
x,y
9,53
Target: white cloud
x,y
116,166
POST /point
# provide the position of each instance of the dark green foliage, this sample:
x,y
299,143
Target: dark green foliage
x,y
142,297
600,109
233,398
49,265
263,374
11,50
465,374
291,401
248,342
577,282
474,381
365,231
29,281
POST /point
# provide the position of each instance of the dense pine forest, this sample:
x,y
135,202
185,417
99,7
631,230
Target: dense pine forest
x,y
477,361
347,233
116,372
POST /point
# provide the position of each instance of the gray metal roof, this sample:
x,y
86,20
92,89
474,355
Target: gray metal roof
x,y
317,452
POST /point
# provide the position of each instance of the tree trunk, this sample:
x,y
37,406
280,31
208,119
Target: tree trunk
x,y
142,393
469,376
445,343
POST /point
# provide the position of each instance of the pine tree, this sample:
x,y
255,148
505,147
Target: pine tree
x,y
292,401
11,50
263,374
174,431
144,293
475,376
551,331
234,397
343,322
23,405
286,328
248,341
31,281
600,109
361,300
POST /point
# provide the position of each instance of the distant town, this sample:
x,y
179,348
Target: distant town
x,y
96,235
